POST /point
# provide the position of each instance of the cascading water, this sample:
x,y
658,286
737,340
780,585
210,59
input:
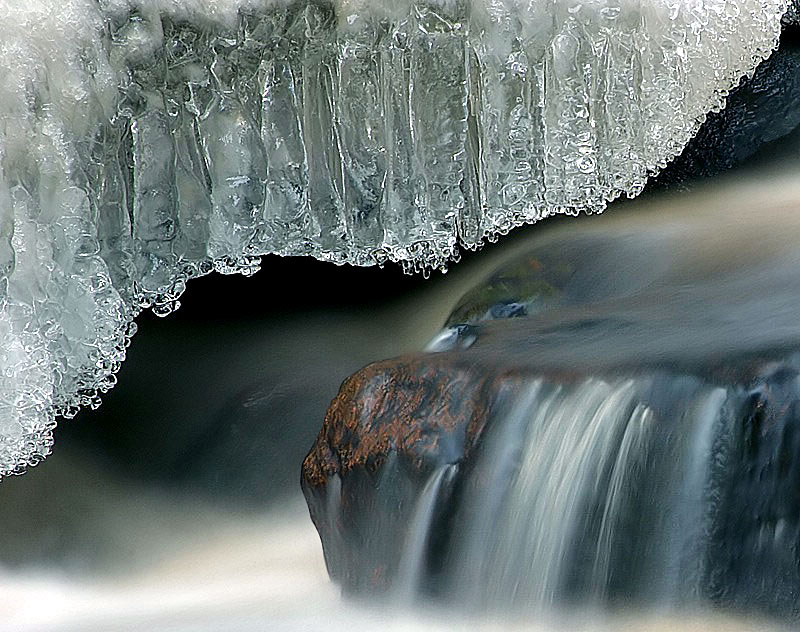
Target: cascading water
x,y
618,436
565,449
563,523
412,568
604,491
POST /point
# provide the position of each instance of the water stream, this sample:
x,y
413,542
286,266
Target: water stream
x,y
560,510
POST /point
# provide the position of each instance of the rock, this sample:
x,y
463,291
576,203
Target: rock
x,y
379,434
523,287
394,424
633,436
759,114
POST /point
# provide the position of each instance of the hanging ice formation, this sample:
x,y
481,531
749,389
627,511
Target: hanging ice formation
x,y
144,142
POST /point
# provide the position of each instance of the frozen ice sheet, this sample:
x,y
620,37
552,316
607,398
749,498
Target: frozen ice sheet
x,y
146,142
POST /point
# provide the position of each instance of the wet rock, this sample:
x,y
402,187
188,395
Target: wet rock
x,y
757,526
378,444
396,425
759,115
645,405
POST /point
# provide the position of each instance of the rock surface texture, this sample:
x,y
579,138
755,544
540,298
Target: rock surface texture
x,y
622,434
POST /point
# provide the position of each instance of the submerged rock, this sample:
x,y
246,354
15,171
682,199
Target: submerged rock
x,y
635,438
522,288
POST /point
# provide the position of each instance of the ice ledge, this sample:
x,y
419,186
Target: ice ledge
x,y
143,143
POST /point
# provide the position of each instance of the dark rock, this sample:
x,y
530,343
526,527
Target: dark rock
x,y
377,445
757,530
756,125
675,331
395,423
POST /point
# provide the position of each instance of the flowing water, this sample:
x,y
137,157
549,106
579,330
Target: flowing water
x,y
562,501
606,490
415,549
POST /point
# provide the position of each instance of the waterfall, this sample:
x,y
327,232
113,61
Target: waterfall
x,y
569,441
631,453
592,490
413,561
682,567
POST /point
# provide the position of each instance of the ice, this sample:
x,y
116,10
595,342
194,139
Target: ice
x,y
145,142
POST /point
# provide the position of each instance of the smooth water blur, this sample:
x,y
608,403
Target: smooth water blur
x,y
177,507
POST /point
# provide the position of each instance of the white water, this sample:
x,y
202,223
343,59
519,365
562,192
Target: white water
x,y
411,570
188,566
266,573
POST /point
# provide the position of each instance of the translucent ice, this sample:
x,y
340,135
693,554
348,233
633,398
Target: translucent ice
x,y
143,142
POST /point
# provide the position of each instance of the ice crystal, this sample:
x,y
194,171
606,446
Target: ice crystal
x,y
143,142
792,15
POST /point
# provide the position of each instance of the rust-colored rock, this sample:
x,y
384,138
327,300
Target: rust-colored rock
x,y
421,410
390,426
401,475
